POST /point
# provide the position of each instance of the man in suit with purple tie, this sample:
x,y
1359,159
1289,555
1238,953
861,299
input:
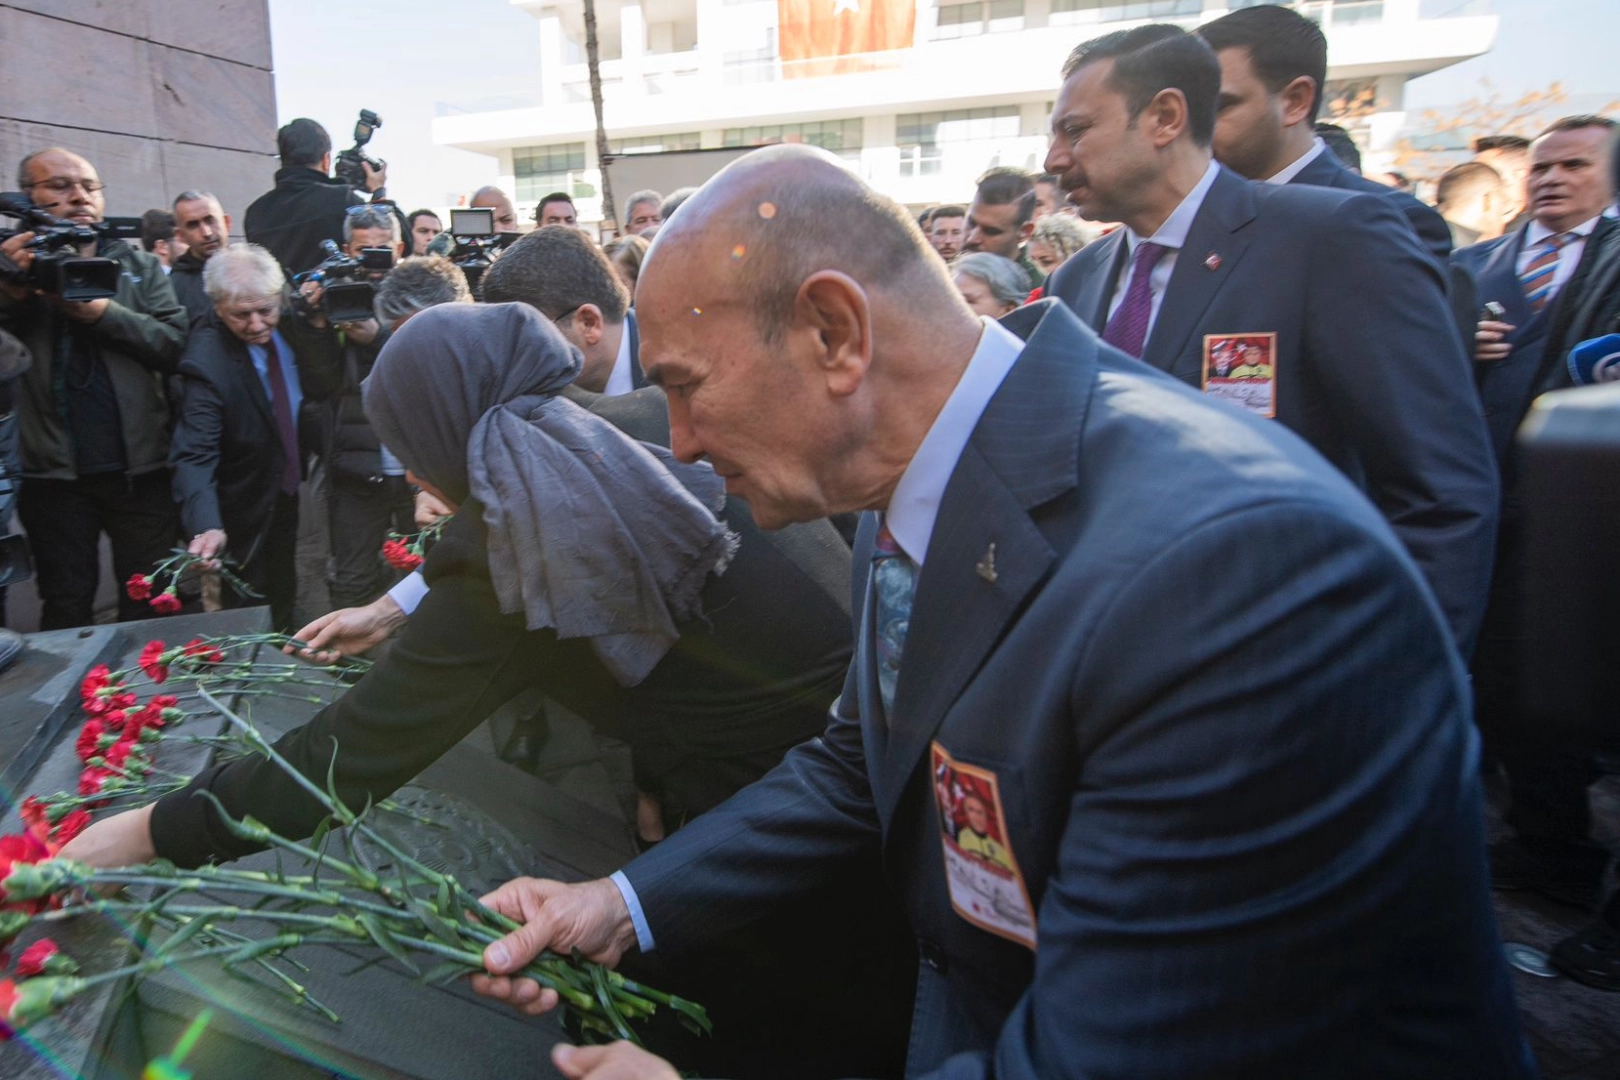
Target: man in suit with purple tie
x,y
1331,285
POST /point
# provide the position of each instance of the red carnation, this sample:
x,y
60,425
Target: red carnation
x,y
117,754
69,827
166,603
399,556
91,781
34,816
36,957
138,587
201,652
8,1005
89,744
152,661
99,676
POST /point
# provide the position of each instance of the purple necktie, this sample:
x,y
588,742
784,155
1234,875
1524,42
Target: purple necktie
x,y
281,405
1127,329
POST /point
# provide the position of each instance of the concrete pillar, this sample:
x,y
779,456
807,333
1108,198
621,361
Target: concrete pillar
x,y
551,60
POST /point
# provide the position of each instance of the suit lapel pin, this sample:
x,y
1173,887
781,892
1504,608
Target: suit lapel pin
x,y
986,567
1212,261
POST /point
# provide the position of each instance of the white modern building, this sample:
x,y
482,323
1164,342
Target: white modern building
x,y
975,88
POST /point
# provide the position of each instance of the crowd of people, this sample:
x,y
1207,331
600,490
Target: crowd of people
x,y
1192,457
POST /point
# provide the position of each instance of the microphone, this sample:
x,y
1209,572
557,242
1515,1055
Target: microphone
x,y
1595,360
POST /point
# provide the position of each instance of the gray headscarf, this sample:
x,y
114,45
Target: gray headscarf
x,y
590,532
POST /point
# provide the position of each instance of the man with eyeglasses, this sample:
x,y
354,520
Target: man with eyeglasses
x,y
92,412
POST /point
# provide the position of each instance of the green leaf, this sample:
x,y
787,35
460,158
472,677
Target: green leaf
x,y
437,925
385,940
443,973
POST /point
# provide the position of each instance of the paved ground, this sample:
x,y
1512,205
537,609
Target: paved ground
x,y
1574,1030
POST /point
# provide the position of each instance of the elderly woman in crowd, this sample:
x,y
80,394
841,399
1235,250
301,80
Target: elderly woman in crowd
x,y
598,568
991,284
1056,237
626,253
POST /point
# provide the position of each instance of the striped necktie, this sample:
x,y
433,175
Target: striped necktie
x,y
894,580
1538,276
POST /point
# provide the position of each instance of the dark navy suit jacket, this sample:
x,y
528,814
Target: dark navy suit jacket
x,y
1431,229
1507,387
1370,370
1232,743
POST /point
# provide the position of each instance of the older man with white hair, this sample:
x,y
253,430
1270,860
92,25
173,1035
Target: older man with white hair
x,y
247,369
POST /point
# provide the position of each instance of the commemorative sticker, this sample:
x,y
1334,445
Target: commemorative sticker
x,y
1242,369
981,870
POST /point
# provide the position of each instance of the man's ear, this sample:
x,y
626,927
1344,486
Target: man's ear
x,y
1025,231
832,309
588,319
228,225
1297,98
1165,116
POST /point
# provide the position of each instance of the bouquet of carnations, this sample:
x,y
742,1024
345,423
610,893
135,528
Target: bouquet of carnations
x,y
354,886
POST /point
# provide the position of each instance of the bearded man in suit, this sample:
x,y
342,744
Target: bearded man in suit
x,y
1332,285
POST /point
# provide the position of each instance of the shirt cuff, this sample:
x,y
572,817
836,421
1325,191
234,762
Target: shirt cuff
x,y
638,918
409,592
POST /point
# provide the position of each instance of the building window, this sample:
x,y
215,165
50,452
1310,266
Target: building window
x,y
839,136
924,137
978,17
1073,12
653,144
540,170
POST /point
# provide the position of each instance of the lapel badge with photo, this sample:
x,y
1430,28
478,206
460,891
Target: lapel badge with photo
x,y
981,871
1242,369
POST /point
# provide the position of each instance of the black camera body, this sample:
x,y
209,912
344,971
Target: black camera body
x,y
477,244
350,167
346,289
58,268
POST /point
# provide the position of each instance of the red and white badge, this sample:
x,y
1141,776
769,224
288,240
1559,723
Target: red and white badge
x,y
1242,369
986,886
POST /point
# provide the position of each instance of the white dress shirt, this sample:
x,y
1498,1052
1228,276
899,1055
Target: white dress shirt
x,y
1318,148
619,380
1172,234
914,506
1569,256
915,503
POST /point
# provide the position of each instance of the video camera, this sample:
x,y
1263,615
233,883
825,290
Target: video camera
x,y
351,163
346,291
58,268
477,244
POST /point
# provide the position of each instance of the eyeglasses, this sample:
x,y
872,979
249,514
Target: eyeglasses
x,y
62,185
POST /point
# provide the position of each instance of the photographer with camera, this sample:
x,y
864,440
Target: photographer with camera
x,y
92,414
367,494
306,206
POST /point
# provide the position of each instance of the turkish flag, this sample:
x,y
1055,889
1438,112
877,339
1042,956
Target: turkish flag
x,y
833,37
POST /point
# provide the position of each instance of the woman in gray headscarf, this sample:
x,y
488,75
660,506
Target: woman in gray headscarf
x,y
580,561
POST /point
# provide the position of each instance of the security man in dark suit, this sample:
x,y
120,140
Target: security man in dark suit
x,y
1273,68
1367,364
1542,277
237,455
1199,689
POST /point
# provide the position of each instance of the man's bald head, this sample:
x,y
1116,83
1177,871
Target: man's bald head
x,y
776,216
805,334
491,197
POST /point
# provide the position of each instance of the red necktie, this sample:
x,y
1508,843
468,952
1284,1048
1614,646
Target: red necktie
x,y
281,405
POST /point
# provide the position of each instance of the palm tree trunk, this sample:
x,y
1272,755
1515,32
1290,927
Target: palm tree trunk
x,y
610,214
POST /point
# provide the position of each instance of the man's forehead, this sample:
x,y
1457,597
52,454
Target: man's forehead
x,y
196,209
1568,145
58,163
1087,91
